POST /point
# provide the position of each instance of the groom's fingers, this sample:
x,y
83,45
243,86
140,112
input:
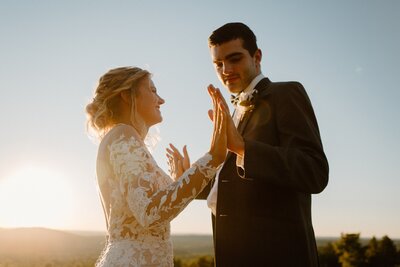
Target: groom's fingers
x,y
225,108
211,114
211,89
215,125
211,92
221,97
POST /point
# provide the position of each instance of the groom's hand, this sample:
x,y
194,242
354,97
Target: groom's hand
x,y
234,139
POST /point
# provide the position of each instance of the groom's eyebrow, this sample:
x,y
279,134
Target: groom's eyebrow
x,y
229,56
235,54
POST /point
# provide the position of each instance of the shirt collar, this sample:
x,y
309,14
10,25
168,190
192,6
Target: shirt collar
x,y
253,83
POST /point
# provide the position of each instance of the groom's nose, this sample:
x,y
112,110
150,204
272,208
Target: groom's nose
x,y
226,68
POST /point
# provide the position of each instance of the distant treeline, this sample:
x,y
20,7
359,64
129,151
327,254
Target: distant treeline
x,y
49,248
349,251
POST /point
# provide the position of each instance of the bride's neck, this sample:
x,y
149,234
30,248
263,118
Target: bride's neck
x,y
142,132
142,129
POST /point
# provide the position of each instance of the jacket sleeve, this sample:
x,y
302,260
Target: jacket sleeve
x,y
298,162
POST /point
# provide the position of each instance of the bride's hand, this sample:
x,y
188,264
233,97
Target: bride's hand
x,y
219,138
177,163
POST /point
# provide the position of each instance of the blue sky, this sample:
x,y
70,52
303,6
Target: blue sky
x,y
345,53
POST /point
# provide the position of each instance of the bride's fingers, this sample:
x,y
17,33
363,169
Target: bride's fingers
x,y
173,157
176,151
180,168
186,154
170,162
176,156
169,151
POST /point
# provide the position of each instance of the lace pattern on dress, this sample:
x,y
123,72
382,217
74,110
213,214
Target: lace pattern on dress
x,y
143,200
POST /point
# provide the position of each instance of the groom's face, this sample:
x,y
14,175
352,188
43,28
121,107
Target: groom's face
x,y
235,67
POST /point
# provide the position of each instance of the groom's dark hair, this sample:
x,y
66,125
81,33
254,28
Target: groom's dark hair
x,y
232,31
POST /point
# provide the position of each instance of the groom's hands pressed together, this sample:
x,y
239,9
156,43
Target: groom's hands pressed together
x,y
235,140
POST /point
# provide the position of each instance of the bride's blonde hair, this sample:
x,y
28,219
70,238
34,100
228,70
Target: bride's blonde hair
x,y
103,111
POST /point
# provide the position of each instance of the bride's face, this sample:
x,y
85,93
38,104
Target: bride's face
x,y
148,102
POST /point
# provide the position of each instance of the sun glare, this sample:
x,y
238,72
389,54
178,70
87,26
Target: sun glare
x,y
36,197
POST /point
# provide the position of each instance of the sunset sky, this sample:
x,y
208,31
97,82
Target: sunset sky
x,y
345,53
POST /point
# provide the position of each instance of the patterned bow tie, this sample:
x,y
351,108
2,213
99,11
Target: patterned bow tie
x,y
235,99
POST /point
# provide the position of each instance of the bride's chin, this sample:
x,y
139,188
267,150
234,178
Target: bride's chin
x,y
159,120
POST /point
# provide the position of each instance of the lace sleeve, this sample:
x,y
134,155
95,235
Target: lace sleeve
x,y
137,174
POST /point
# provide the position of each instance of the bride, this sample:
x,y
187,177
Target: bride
x,y
139,199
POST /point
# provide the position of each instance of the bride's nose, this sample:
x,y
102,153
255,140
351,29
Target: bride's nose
x,y
160,100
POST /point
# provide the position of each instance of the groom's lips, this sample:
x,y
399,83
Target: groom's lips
x,y
231,79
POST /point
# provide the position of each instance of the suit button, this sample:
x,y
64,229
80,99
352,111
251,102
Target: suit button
x,y
223,215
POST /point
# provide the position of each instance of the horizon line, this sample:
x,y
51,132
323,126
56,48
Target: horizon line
x,y
103,232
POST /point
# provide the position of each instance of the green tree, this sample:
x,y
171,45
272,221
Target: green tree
x,y
388,252
178,262
372,253
349,250
327,256
205,261
381,253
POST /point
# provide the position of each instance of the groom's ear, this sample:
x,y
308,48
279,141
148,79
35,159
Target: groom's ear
x,y
258,56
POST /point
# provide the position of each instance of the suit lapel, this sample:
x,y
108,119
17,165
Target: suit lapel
x,y
241,126
244,121
230,153
262,88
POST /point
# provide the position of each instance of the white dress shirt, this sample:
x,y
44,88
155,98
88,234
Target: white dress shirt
x,y
212,196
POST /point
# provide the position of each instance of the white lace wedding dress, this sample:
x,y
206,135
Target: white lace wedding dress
x,y
140,200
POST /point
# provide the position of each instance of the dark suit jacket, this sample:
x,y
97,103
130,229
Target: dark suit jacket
x,y
264,212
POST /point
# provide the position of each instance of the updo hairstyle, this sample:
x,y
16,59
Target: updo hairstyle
x,y
104,110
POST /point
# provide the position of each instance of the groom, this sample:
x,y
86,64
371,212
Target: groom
x,y
261,198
